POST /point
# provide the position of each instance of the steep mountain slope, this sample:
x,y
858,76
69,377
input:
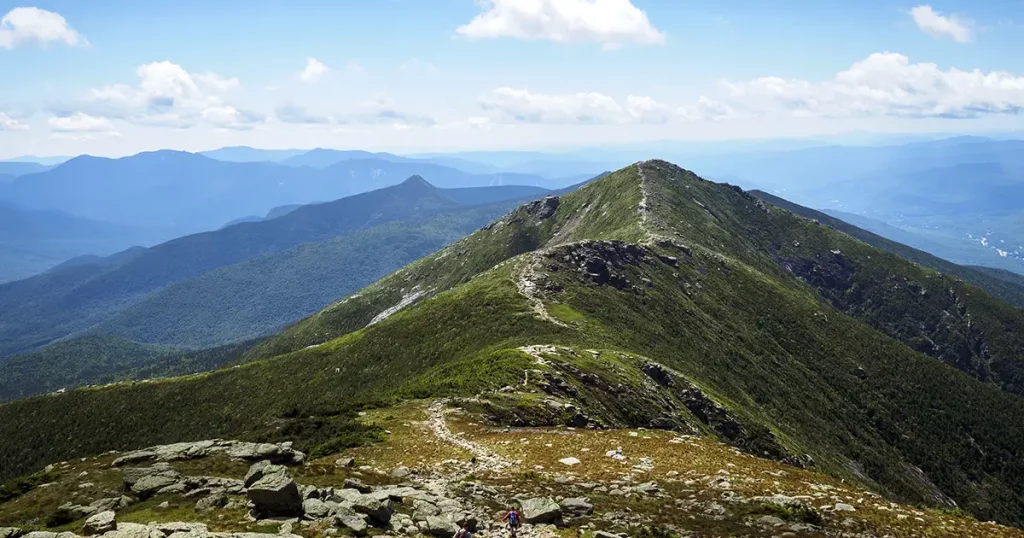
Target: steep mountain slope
x,y
648,298
1002,284
61,303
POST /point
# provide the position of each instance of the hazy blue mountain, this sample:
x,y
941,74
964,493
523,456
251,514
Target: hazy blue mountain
x,y
188,193
322,157
282,210
83,293
33,241
245,154
46,161
18,168
487,195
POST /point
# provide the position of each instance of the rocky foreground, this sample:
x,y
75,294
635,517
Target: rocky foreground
x,y
437,471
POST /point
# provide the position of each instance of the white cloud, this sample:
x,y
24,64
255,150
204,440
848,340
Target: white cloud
x,y
522,106
167,95
610,22
313,72
34,26
884,84
8,123
229,117
80,123
939,25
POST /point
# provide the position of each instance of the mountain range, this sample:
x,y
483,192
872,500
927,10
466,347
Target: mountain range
x,y
647,298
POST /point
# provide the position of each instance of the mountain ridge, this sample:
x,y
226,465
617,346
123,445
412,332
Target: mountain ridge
x,y
772,319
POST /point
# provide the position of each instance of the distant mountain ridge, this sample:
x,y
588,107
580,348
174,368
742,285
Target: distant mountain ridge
x,y
86,293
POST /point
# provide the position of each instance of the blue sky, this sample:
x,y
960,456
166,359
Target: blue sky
x,y
115,77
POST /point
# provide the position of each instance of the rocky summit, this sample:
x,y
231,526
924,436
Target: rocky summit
x,y
650,355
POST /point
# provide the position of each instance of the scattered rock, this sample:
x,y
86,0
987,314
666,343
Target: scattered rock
x,y
345,462
569,461
353,523
11,532
358,485
378,510
575,506
541,510
315,509
843,507
212,502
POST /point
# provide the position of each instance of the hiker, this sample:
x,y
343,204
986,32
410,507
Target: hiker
x,y
463,533
513,520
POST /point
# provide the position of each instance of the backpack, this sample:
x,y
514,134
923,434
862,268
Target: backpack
x,y
513,518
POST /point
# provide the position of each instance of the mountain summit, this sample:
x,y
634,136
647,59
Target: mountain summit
x,y
647,298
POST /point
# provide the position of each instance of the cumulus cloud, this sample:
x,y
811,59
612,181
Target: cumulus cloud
x,y
80,123
168,95
313,72
884,84
610,22
296,114
23,26
229,117
8,123
939,25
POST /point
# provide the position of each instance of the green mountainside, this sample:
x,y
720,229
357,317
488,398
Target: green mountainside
x,y
647,298
78,297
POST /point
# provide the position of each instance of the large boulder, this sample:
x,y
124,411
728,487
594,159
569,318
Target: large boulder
x,y
378,510
100,523
441,527
541,510
276,494
11,532
258,470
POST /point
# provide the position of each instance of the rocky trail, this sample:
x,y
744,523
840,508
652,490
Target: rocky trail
x,y
441,467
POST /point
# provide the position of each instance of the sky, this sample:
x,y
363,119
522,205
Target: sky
x,y
115,77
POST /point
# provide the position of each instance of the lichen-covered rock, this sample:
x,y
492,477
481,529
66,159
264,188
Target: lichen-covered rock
x,y
378,510
315,509
541,510
276,494
439,526
100,523
11,532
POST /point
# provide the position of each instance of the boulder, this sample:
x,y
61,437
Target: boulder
x,y
346,495
315,509
137,456
422,510
345,462
378,510
358,485
100,523
147,486
258,470
353,523
11,532
541,510
133,530
276,494
440,527
575,506
212,502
